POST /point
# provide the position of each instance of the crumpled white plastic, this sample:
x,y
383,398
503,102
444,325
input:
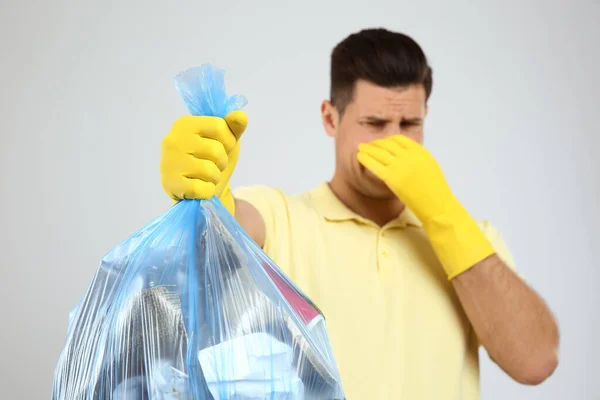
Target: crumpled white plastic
x,y
262,368
169,383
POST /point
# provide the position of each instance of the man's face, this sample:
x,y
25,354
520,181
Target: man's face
x,y
375,112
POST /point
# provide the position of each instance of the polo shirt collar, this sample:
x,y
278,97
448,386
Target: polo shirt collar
x,y
332,209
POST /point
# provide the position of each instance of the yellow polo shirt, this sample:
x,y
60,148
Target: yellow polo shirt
x,y
395,323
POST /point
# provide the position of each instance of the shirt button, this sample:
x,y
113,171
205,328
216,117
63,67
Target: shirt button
x,y
385,253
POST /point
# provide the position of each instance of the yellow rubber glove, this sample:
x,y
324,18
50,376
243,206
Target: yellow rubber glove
x,y
411,172
198,157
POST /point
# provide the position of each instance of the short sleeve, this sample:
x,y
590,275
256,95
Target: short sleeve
x,y
272,205
498,243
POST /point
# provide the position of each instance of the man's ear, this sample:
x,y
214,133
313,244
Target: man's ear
x,y
330,118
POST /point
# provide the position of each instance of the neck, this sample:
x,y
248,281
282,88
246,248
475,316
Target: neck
x,y
380,211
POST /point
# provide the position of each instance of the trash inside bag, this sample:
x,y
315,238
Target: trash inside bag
x,y
189,307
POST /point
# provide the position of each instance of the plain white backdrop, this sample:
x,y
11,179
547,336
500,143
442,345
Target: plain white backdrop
x,y
86,95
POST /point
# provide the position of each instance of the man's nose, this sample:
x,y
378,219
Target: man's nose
x,y
416,136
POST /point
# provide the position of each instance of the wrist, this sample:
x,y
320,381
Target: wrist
x,y
435,208
457,240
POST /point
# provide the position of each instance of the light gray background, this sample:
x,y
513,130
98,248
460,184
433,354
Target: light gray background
x,y
86,94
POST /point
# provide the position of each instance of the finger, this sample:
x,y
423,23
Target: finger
x,y
207,127
380,154
176,163
372,164
404,141
198,189
202,169
209,149
180,188
389,145
199,147
237,122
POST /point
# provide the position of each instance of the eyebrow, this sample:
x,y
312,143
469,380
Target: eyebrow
x,y
379,120
376,120
416,120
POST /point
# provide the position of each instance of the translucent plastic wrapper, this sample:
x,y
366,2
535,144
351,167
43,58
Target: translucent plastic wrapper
x,y
189,307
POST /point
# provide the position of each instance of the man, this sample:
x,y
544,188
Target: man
x,y
409,283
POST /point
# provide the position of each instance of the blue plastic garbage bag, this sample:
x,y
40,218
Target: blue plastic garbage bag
x,y
189,307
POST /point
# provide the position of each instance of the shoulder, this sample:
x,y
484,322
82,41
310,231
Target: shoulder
x,y
286,221
278,210
259,193
262,196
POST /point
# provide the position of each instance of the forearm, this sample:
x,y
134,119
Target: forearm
x,y
251,221
511,321
245,214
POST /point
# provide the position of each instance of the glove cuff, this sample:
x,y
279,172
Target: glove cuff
x,y
226,197
458,241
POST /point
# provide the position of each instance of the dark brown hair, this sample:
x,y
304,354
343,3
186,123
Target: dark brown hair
x,y
379,56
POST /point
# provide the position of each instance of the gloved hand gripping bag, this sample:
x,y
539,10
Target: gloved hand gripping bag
x,y
189,307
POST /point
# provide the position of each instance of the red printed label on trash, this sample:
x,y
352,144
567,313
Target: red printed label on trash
x,y
303,308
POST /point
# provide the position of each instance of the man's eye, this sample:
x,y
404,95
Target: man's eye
x,y
377,124
409,124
